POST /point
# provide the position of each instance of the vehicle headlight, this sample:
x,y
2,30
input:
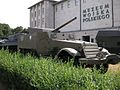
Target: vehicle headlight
x,y
100,55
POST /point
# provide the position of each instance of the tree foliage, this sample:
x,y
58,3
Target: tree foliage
x,y
18,30
6,30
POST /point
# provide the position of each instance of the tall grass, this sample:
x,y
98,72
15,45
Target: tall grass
x,y
28,73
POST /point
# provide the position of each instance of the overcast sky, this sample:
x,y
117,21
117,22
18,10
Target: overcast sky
x,y
15,12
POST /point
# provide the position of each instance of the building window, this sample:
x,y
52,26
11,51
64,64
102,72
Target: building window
x,y
42,21
76,2
35,14
56,8
92,40
68,4
61,6
84,1
86,38
35,23
38,11
42,10
39,23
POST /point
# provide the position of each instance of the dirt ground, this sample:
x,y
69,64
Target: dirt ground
x,y
114,68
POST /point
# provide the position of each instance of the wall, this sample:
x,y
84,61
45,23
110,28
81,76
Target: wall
x,y
49,14
116,12
66,11
96,14
42,15
91,14
36,15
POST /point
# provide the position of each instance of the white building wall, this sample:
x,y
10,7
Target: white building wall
x,y
34,16
66,11
100,14
39,15
96,14
42,15
49,14
91,14
116,8
31,13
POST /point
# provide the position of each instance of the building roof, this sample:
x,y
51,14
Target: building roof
x,y
41,2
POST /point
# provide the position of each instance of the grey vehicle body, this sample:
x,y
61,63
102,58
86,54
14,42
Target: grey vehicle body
x,y
87,52
42,42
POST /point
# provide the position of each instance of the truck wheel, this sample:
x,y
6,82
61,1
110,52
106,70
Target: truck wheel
x,y
102,68
64,56
76,61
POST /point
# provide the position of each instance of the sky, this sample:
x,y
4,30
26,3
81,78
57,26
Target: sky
x,y
16,12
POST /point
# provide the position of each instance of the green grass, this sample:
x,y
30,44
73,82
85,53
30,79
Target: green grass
x,y
28,73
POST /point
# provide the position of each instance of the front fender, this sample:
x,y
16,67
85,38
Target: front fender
x,y
113,59
70,51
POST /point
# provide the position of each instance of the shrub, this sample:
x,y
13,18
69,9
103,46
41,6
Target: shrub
x,y
28,73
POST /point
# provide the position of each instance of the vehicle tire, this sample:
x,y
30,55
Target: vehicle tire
x,y
115,59
76,61
103,68
64,57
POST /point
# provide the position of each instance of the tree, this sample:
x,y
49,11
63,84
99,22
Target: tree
x,y
4,29
25,30
17,29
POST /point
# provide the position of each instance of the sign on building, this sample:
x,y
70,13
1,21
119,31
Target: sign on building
x,y
96,14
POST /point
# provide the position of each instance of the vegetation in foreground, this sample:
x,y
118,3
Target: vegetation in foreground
x,y
28,73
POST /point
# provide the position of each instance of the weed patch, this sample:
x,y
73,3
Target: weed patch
x,y
29,73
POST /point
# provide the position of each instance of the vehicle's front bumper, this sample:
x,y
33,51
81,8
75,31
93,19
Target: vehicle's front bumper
x,y
109,59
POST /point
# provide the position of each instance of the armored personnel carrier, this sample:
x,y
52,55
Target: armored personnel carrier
x,y
10,42
82,52
43,43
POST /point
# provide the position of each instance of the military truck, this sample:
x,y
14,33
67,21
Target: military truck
x,y
83,53
10,42
43,43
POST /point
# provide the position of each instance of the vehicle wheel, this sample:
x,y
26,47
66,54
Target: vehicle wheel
x,y
103,68
76,61
64,56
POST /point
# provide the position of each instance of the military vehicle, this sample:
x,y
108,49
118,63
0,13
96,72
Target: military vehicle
x,y
10,42
41,42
